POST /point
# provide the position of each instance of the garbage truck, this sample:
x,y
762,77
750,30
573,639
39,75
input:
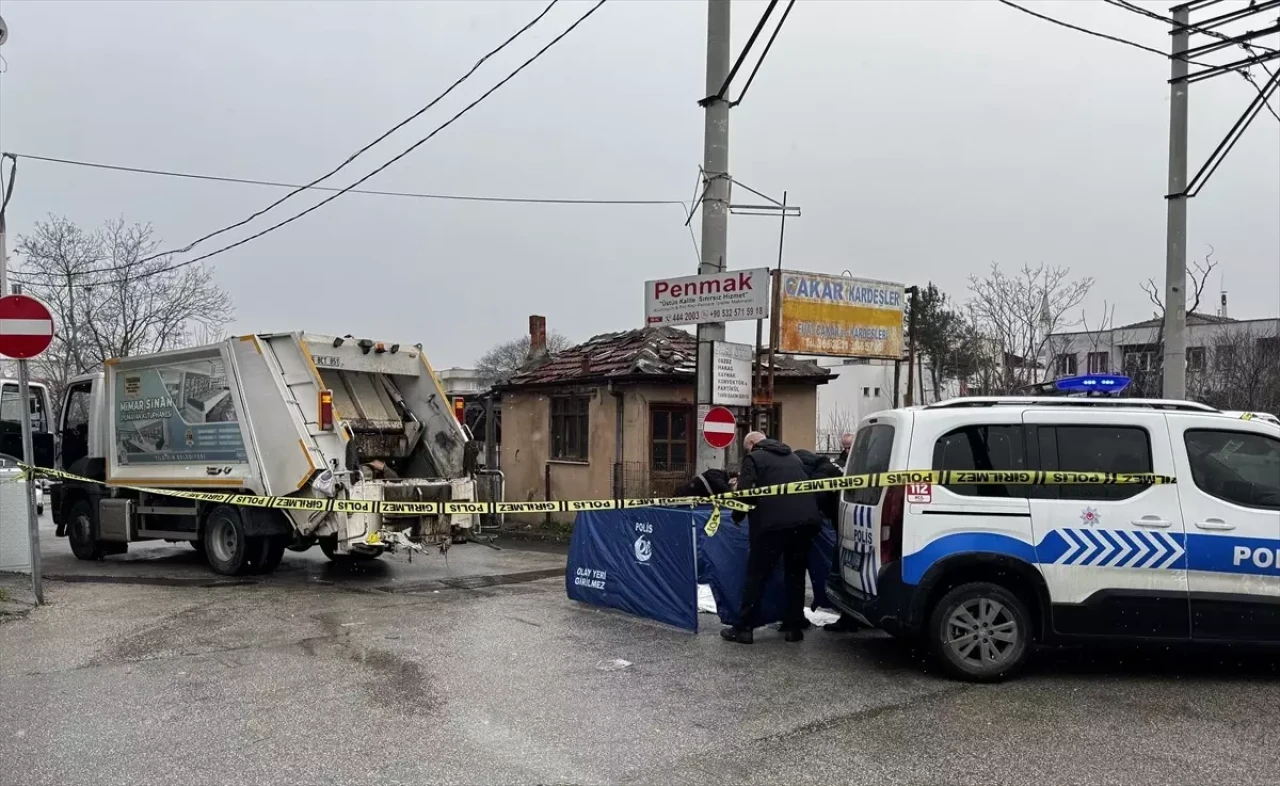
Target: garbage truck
x,y
282,415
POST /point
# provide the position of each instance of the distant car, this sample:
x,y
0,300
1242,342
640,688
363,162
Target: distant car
x,y
10,470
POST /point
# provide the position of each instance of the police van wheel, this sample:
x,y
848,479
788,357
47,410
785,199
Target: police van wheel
x,y
980,632
225,546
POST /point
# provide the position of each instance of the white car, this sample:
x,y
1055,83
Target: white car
x,y
981,573
10,471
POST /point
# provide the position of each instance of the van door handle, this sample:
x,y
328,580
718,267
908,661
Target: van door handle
x,y
1215,524
1152,521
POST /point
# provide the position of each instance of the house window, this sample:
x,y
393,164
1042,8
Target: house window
x,y
1195,358
1099,362
877,393
570,428
1066,365
670,439
866,392
1138,361
1225,357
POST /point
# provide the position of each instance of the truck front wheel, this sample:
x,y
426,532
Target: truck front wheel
x,y
225,545
81,531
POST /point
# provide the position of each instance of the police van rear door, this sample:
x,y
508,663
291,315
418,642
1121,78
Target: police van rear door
x,y
860,510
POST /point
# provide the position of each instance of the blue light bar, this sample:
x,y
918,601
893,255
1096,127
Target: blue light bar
x,y
1093,383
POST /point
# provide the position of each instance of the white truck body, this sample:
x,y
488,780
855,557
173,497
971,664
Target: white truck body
x,y
245,415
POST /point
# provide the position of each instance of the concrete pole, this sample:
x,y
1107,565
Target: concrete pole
x,y
715,204
1175,264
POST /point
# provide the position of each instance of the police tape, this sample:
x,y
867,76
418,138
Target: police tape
x,y
731,500
953,477
392,508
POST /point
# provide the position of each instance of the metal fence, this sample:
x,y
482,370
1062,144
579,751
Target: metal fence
x,y
643,479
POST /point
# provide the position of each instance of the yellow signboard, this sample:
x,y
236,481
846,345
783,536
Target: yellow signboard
x,y
839,316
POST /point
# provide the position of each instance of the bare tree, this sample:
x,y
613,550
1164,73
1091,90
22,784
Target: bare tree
x,y
838,422
503,360
1149,381
1018,313
1246,369
109,300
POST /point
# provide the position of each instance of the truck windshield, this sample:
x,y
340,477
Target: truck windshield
x,y
11,407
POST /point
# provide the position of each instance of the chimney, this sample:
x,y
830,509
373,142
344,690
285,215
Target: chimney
x,y
1223,311
537,337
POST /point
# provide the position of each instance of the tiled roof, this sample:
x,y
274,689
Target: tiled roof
x,y
648,352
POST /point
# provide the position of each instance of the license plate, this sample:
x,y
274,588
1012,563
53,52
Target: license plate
x,y
852,559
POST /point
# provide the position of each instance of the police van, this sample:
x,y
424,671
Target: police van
x,y
980,573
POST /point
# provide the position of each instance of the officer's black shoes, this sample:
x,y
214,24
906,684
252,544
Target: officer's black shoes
x,y
845,624
738,635
793,636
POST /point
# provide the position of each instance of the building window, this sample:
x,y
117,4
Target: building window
x,y
670,439
877,393
1195,358
570,428
1224,357
866,392
1138,360
1099,362
1066,365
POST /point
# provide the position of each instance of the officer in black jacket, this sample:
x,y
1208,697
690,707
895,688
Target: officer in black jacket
x,y
705,484
782,528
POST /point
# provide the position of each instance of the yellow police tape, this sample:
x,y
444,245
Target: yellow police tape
x,y
728,500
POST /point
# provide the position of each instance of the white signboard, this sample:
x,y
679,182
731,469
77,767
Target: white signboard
x,y
718,297
731,374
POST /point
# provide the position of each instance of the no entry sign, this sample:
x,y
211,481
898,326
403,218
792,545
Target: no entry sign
x,y
26,327
719,427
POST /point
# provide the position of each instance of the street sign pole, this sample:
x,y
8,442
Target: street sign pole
x,y
26,330
28,458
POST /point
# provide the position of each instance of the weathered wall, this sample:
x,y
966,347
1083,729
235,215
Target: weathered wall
x,y
526,422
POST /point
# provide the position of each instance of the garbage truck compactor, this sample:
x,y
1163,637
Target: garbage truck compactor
x,y
295,415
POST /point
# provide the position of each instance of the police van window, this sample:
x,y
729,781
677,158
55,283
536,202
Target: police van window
x,y
1236,466
982,448
871,451
1093,449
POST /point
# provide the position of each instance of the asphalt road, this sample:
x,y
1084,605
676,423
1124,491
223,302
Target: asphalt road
x,y
484,673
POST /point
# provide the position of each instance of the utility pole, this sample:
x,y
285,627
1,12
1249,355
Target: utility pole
x,y
715,203
1175,258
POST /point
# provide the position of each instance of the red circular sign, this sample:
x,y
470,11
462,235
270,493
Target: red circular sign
x,y
26,327
719,427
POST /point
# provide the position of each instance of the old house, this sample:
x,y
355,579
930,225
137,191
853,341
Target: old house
x,y
615,416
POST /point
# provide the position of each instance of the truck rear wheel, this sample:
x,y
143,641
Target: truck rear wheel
x,y
225,545
81,531
266,553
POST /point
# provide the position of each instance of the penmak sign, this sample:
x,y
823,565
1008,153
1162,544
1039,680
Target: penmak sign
x,y
840,316
717,297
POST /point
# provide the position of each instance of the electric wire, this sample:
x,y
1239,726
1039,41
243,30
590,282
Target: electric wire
x,y
187,262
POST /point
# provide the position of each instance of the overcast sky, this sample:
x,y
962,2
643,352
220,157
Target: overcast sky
x,y
923,140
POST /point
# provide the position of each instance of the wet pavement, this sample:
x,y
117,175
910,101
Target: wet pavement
x,y
485,673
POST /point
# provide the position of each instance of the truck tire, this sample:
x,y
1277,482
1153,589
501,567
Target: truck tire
x,y
226,548
980,632
265,554
198,545
82,532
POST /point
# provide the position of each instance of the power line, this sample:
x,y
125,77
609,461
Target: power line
x,y
768,45
1245,45
408,194
364,149
327,200
1086,30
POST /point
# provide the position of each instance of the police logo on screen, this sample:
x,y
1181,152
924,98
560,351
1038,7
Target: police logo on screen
x,y
643,546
